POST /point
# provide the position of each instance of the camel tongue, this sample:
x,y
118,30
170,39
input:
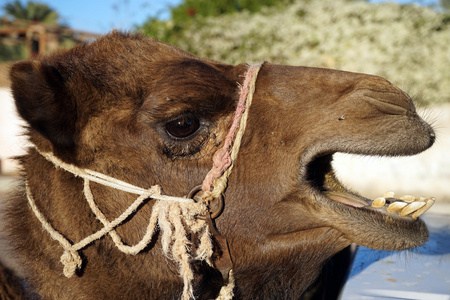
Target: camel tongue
x,y
346,198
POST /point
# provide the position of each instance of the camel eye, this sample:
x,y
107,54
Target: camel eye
x,y
183,127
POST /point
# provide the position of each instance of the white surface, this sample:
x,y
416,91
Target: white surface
x,y
11,141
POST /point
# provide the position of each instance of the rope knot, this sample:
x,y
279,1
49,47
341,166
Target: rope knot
x,y
71,261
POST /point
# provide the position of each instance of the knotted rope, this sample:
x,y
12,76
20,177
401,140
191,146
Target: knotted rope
x,y
172,214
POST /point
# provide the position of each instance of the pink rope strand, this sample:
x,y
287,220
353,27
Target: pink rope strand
x,y
222,158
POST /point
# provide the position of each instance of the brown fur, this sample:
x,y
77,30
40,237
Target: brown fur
x,y
105,106
10,286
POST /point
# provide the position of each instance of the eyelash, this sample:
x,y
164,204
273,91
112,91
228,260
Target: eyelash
x,y
175,149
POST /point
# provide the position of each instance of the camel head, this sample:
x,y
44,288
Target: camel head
x,y
150,114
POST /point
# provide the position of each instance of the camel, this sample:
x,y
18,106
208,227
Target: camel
x,y
156,174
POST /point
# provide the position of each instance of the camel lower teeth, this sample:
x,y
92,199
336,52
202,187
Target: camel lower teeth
x,y
424,208
396,206
412,207
388,195
406,205
408,198
379,202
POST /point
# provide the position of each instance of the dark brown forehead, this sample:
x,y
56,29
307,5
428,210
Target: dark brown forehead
x,y
191,84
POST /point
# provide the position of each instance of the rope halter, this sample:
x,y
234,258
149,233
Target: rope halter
x,y
173,215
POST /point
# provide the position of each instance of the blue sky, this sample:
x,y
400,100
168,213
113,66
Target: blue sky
x,y
100,16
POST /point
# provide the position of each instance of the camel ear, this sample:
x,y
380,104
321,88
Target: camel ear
x,y
42,101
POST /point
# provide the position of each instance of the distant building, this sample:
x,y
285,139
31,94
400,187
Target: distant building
x,y
39,38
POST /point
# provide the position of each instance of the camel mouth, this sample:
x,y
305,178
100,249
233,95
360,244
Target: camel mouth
x,y
326,185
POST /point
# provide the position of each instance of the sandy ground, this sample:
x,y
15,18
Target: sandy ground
x,y
4,70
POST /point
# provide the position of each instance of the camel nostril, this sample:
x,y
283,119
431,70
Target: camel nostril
x,y
383,96
389,102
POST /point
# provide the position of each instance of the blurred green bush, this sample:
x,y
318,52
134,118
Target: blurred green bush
x,y
407,44
12,52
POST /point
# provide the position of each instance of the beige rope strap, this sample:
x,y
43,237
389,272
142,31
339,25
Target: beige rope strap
x,y
216,180
174,215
